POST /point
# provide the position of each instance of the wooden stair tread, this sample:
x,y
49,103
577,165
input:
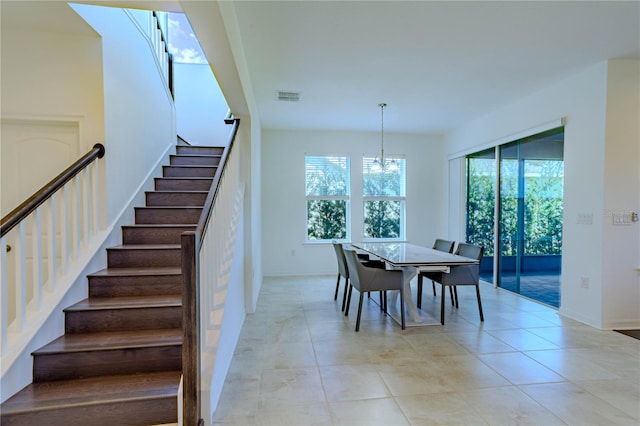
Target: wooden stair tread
x,y
194,165
185,177
197,155
42,396
144,246
160,225
159,270
170,208
112,340
131,302
177,191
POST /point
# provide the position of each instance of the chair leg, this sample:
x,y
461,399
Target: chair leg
x,y
419,296
381,302
479,302
455,296
359,312
442,305
346,309
344,296
402,322
433,285
453,291
335,296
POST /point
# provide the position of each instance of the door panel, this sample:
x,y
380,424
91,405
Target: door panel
x,y
33,153
530,223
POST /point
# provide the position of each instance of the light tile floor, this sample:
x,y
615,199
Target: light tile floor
x,y
299,362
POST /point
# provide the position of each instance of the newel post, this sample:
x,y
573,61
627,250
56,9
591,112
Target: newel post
x,y
190,330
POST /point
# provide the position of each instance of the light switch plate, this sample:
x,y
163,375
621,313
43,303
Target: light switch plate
x,y
622,218
585,219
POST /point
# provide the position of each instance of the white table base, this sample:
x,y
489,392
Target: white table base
x,y
413,316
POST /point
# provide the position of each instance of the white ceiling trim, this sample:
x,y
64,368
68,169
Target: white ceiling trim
x,y
553,124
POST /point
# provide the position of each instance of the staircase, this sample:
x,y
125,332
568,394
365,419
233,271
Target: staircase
x,y
120,359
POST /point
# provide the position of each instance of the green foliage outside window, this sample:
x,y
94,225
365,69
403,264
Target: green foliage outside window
x,y
327,190
480,202
543,207
382,217
542,204
326,219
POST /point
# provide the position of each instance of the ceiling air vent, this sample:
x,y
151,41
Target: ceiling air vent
x,y
287,95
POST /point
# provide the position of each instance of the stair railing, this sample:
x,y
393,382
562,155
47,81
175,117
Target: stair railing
x,y
161,48
207,256
148,23
39,241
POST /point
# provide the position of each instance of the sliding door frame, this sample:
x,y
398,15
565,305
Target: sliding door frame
x,y
462,188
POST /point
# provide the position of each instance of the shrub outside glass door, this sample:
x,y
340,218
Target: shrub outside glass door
x,y
481,198
530,216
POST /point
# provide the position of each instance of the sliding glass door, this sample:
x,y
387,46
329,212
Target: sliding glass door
x,y
529,204
530,223
481,194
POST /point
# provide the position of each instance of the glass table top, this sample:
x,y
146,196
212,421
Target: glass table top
x,y
400,254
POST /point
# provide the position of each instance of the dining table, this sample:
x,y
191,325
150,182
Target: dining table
x,y
412,259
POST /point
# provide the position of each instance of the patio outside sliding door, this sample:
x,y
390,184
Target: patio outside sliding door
x,y
530,216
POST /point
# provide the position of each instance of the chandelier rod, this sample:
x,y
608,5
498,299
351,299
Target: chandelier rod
x,y
382,105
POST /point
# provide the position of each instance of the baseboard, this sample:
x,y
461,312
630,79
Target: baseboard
x,y
622,324
580,318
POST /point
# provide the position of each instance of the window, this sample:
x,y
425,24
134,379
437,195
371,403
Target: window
x,y
327,191
183,43
384,200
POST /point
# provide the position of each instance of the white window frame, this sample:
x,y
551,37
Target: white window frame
x,y
402,199
346,198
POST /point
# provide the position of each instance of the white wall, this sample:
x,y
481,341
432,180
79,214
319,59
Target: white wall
x,y
582,100
54,75
200,105
284,249
139,112
621,244
250,137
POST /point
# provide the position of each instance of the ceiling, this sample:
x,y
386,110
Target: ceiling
x,y
437,64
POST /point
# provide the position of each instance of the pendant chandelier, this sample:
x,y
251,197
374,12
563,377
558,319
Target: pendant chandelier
x,y
381,164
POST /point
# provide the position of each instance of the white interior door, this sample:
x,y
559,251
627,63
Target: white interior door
x,y
33,153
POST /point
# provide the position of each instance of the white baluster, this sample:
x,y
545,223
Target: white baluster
x,y
77,219
53,245
91,199
36,247
21,279
158,45
4,313
86,212
95,188
65,230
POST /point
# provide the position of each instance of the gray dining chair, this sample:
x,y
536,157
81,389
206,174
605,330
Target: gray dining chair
x,y
460,275
343,270
440,245
366,279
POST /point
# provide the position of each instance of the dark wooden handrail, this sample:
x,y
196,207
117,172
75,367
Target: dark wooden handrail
x,y
191,242
213,193
30,204
228,119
